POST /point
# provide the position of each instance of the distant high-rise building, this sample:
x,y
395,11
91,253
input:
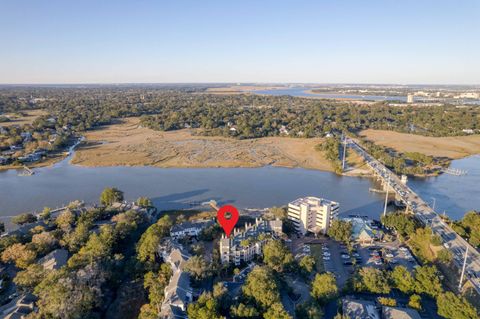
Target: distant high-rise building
x,y
410,98
312,214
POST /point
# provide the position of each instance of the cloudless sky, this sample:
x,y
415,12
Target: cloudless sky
x,y
322,41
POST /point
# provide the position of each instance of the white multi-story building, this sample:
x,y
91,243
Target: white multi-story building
x,y
312,214
244,245
410,98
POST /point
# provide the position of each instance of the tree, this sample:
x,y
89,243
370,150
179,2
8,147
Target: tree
x,y
44,242
451,306
155,283
278,212
111,195
371,280
25,218
70,294
444,256
309,310
148,312
77,238
144,202
276,255
206,307
97,247
403,224
306,265
19,254
276,311
65,220
415,302
387,301
403,279
46,213
198,267
243,311
147,246
261,287
30,277
427,281
340,230
324,287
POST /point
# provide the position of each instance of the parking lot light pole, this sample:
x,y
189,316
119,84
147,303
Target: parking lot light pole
x,y
463,270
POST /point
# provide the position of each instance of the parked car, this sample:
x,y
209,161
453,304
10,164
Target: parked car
x,y
326,258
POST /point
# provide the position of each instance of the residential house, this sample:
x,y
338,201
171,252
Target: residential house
x,y
189,228
399,313
54,260
359,309
178,293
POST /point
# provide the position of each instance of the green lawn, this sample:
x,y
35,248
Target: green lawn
x,y
316,251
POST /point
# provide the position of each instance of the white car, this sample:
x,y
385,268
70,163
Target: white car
x,y
389,255
327,254
345,256
326,258
403,249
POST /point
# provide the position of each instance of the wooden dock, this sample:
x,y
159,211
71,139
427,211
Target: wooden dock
x,y
26,172
454,171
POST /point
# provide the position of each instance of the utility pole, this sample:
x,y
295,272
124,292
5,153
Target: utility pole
x,y
344,151
463,270
386,197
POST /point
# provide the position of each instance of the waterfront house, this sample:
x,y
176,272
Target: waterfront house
x,y
189,228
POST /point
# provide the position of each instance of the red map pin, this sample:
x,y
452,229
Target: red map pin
x,y
227,216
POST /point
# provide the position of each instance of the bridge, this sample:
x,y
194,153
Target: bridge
x,y
424,213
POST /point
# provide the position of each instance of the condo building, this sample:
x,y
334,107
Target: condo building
x,y
244,245
312,214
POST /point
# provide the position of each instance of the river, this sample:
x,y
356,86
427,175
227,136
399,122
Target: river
x,y
244,187
303,92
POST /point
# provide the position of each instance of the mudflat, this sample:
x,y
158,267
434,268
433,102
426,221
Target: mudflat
x,y
452,147
129,144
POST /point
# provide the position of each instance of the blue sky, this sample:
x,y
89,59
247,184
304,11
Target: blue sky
x,y
323,41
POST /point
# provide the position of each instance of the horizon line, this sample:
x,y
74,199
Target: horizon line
x,y
236,83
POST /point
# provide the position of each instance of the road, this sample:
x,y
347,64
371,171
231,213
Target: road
x,y
451,240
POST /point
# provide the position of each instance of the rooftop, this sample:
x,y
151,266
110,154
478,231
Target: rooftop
x,y
311,200
399,313
360,309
